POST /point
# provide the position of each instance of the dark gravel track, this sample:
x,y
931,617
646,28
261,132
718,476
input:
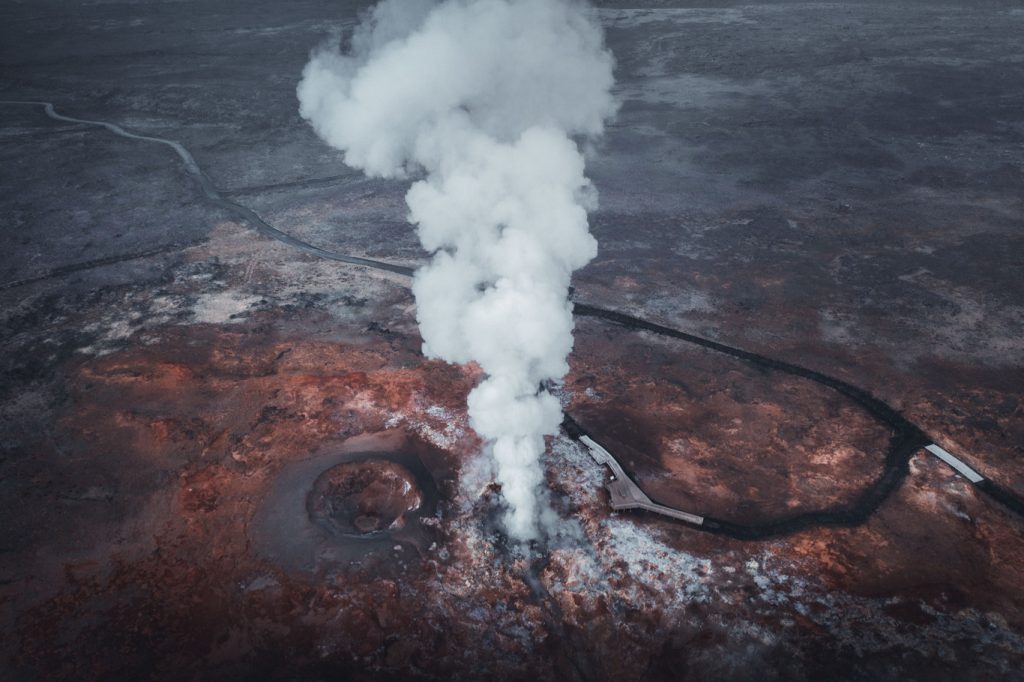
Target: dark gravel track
x,y
907,438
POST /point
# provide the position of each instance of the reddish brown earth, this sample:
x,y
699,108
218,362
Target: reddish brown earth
x,y
702,431
364,497
152,557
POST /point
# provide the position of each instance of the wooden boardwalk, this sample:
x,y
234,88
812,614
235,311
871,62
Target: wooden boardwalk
x,y
625,494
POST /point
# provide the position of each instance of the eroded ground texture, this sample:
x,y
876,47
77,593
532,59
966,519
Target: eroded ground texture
x,y
839,186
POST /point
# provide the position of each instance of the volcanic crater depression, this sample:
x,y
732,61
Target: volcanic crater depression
x,y
358,504
364,496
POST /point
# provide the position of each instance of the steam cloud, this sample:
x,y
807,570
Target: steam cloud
x,y
482,101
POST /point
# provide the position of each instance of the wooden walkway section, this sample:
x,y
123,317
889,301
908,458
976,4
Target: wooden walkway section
x,y
958,465
625,494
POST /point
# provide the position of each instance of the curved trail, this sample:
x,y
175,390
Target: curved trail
x,y
907,437
214,195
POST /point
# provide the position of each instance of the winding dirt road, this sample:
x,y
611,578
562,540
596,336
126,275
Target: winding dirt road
x,y
907,438
216,197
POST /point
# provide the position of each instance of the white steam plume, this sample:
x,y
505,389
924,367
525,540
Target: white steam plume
x,y
483,101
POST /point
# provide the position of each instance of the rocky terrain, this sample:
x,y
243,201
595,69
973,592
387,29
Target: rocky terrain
x,y
225,458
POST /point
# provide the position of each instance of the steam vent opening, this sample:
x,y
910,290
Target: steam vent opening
x,y
364,497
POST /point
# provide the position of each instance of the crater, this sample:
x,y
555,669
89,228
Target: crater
x,y
367,503
363,497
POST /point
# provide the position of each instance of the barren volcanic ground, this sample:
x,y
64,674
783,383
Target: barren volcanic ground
x,y
222,457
